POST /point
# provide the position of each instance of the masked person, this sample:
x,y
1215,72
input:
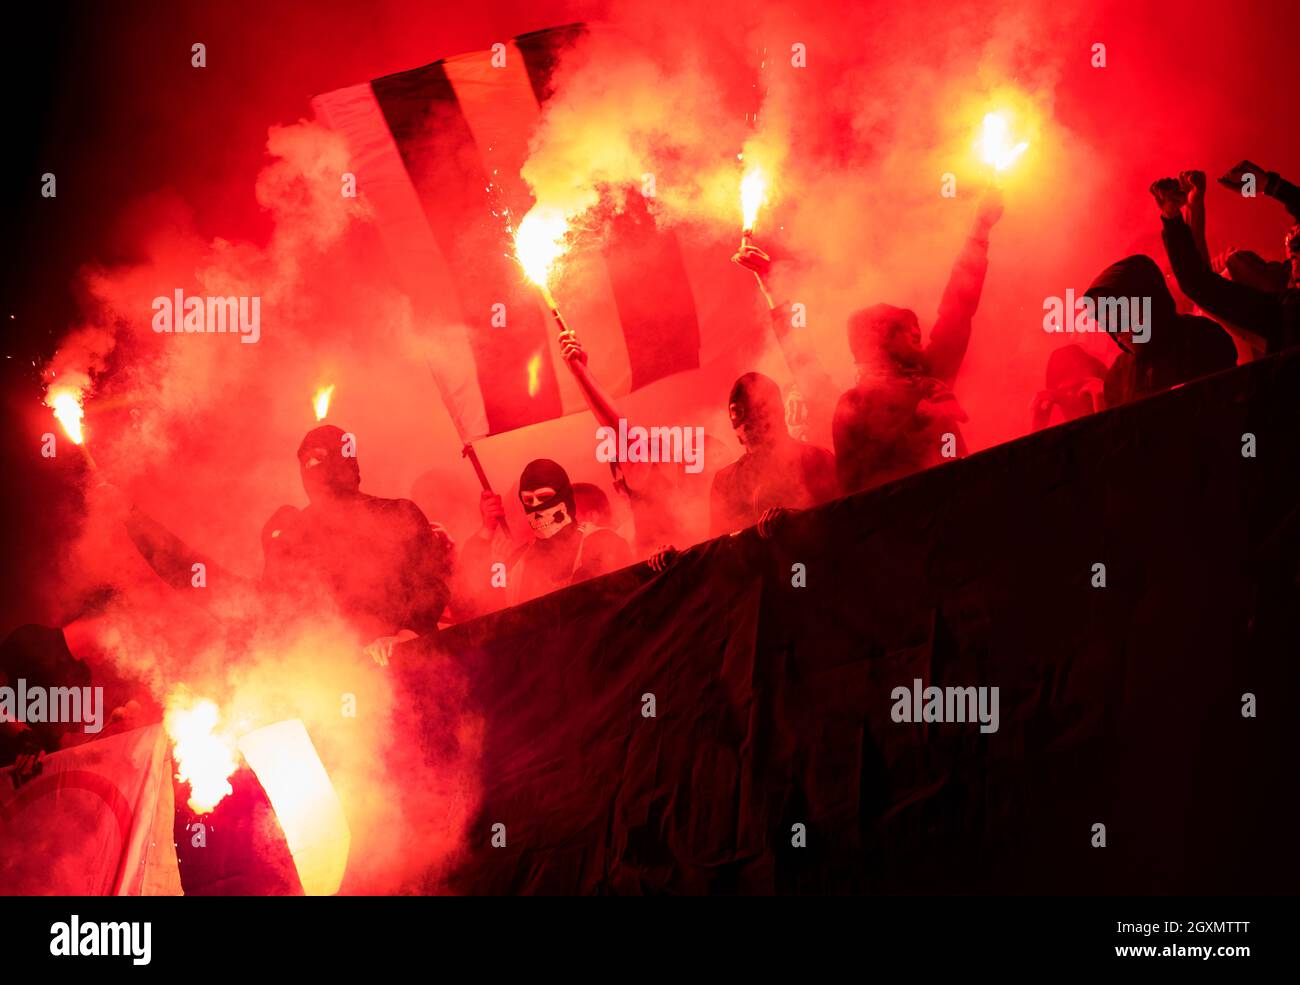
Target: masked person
x,y
1172,349
559,551
902,415
374,560
774,471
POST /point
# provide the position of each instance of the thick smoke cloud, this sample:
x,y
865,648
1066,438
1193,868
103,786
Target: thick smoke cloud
x,y
200,430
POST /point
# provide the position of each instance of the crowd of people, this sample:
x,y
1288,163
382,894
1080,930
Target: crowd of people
x,y
393,575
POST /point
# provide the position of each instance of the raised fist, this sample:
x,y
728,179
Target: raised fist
x,y
1192,184
753,259
1169,195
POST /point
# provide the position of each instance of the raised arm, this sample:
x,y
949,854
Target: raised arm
x,y
1193,185
1240,304
597,399
1274,185
814,382
951,333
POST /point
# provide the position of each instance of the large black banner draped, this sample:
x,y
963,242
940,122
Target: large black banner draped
x,y
772,761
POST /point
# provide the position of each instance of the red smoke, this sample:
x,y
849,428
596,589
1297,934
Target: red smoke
x,y
224,188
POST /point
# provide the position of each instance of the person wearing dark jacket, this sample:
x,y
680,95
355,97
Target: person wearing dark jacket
x,y
775,471
1171,350
1273,316
373,559
897,419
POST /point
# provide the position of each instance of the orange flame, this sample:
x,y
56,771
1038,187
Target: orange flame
x,y
66,403
205,759
540,242
322,401
753,193
534,374
994,143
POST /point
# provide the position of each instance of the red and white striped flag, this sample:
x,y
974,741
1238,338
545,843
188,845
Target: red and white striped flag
x,y
437,151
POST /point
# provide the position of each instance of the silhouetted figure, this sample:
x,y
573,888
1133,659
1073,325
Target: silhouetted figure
x,y
774,470
1074,387
592,505
902,415
1274,316
1177,348
373,560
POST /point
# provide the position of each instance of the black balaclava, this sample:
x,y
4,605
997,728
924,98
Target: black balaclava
x,y
756,410
555,514
326,472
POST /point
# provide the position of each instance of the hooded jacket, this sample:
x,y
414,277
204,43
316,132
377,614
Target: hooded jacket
x,y
1179,348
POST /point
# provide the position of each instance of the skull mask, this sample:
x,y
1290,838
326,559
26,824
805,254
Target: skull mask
x,y
547,498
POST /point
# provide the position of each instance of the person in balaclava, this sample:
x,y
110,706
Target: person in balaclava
x,y
902,415
375,558
372,560
1171,350
561,548
774,470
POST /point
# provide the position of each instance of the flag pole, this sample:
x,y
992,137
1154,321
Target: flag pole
x,y
467,449
469,452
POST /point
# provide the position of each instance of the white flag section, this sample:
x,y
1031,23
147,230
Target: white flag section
x,y
99,818
309,811
97,821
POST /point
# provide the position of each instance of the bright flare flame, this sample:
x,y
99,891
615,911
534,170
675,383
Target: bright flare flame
x,y
67,408
305,803
534,371
204,759
322,401
753,193
540,242
994,144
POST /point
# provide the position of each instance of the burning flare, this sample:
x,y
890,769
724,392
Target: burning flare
x,y
205,759
994,143
66,403
322,401
540,242
534,374
753,193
